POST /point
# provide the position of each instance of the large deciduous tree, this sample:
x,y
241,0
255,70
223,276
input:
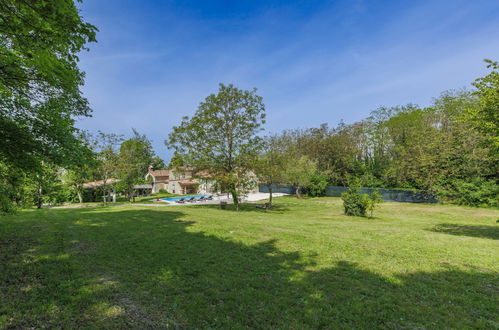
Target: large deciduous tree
x,y
136,154
40,80
40,83
269,164
299,173
486,117
221,137
106,147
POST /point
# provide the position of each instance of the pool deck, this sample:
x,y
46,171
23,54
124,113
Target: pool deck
x,y
254,197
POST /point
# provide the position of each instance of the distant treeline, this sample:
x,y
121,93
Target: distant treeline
x,y
439,148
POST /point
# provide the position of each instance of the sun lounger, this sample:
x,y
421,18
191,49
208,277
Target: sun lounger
x,y
209,198
191,200
201,199
180,201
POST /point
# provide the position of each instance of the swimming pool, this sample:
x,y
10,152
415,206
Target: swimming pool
x,y
173,199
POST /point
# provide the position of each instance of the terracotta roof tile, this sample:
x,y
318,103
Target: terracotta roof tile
x,y
159,172
188,182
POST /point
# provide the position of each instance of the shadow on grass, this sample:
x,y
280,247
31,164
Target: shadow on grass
x,y
150,268
247,207
491,232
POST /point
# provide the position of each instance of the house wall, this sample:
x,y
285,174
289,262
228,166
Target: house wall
x,y
172,185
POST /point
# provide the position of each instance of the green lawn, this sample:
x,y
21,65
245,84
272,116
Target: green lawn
x,y
304,265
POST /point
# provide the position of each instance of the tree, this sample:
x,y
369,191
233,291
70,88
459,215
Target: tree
x,y
136,154
176,161
486,117
106,148
221,137
40,80
158,163
299,172
40,85
84,169
269,163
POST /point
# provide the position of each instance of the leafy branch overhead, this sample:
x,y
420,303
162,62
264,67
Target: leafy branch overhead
x,y
40,81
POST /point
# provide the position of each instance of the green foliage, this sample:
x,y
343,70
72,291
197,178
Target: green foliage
x,y
486,117
135,156
6,203
317,186
40,95
176,161
476,192
355,203
158,163
406,146
40,80
221,137
374,200
268,165
299,172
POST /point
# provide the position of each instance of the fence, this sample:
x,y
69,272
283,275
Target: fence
x,y
389,195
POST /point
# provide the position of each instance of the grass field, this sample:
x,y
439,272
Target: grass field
x,y
303,265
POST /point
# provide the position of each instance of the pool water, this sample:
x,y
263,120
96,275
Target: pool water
x,y
173,199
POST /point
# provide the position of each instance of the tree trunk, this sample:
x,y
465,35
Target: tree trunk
x,y
39,197
270,195
298,192
235,198
104,192
80,196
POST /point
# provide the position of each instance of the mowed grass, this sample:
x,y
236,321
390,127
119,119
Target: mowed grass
x,y
303,265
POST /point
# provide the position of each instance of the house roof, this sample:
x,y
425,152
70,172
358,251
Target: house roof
x,y
159,172
188,182
203,175
142,186
99,183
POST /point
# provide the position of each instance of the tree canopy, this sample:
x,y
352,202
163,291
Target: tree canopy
x,y
221,137
40,80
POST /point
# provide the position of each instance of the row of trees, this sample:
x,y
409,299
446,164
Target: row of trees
x,y
101,157
43,156
450,148
40,96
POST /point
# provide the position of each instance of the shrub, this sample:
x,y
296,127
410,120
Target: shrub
x,y
163,191
374,200
6,205
475,192
355,203
318,184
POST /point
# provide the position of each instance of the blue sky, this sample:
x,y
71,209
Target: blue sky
x,y
312,61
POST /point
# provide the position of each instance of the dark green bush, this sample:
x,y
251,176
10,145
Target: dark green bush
x,y
475,192
318,184
355,203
